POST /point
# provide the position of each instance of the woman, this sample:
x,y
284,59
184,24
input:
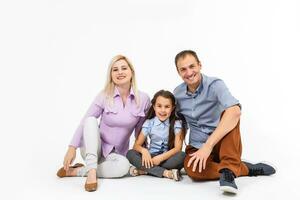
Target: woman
x,y
103,147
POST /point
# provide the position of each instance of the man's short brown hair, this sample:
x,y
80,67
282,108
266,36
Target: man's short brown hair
x,y
184,53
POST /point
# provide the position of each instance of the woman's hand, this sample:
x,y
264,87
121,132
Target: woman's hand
x,y
69,157
146,158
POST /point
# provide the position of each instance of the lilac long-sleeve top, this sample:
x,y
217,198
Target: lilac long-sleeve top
x,y
117,122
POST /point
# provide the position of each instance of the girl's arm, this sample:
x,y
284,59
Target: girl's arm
x,y
146,157
177,148
139,142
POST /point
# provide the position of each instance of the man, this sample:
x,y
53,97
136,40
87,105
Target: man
x,y
213,115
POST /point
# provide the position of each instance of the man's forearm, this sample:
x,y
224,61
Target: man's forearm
x,y
228,121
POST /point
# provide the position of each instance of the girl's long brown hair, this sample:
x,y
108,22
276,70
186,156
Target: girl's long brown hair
x,y
173,117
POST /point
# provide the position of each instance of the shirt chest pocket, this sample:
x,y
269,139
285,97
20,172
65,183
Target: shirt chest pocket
x,y
108,110
137,113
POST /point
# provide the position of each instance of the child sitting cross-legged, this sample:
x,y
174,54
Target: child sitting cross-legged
x,y
166,131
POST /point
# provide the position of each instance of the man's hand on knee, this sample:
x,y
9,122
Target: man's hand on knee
x,y
199,158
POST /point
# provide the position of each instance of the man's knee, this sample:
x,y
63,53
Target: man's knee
x,y
194,175
185,162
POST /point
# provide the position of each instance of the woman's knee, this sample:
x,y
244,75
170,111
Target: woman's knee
x,y
90,121
115,166
124,166
120,165
91,128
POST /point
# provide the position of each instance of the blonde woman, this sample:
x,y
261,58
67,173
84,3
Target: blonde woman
x,y
103,146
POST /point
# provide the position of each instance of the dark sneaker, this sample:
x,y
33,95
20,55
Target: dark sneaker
x,y
260,169
227,183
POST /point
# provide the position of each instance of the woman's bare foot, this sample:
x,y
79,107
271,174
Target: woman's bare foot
x,y
91,183
72,171
91,176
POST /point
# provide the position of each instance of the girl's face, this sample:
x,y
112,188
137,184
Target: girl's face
x,y
121,73
163,108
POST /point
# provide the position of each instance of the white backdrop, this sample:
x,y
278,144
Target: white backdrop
x,y
54,57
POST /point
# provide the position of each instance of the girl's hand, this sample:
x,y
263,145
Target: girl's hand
x,y
146,158
157,160
69,157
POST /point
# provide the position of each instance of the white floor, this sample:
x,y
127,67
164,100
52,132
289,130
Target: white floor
x,y
32,175
48,186
54,56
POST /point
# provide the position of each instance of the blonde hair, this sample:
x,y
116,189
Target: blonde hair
x,y
109,87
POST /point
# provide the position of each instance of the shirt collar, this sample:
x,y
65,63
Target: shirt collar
x,y
131,93
158,122
117,93
199,88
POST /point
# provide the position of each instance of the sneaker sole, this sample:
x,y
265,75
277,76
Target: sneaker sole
x,y
229,189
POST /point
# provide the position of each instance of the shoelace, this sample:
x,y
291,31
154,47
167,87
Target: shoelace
x,y
256,171
228,176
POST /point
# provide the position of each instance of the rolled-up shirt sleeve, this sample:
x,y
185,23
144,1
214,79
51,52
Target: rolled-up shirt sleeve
x,y
223,94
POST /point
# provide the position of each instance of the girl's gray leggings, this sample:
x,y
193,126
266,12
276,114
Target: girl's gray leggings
x,y
174,162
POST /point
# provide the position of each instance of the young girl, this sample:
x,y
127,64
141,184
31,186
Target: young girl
x,y
166,131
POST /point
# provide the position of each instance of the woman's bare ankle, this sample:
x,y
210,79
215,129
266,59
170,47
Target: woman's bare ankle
x,y
73,171
91,176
